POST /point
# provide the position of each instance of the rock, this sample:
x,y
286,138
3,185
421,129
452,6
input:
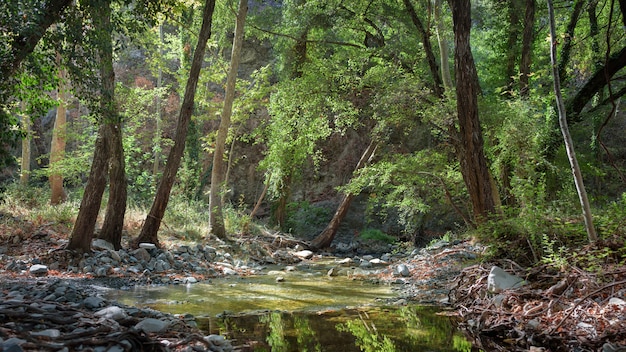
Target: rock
x,y
612,347
229,271
101,244
38,270
141,254
403,270
151,325
304,254
499,280
332,272
93,302
534,324
49,333
617,301
280,279
345,261
377,261
147,245
190,280
365,264
115,256
112,312
13,345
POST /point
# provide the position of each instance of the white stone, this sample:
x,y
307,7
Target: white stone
x,y
147,245
345,261
304,254
617,301
190,280
499,280
377,261
229,271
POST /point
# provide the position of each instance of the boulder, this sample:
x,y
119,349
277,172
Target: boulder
x,y
151,325
499,280
304,254
38,270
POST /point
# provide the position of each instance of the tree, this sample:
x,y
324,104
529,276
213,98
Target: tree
x,y
23,26
57,148
82,232
443,47
153,220
470,149
326,237
216,218
27,130
569,144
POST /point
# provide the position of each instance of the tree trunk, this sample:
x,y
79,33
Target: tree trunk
x,y
25,162
470,150
568,37
83,230
326,237
428,49
569,144
443,48
512,45
216,217
116,207
153,220
527,41
57,148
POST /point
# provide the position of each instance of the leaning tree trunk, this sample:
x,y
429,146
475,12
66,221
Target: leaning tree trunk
x,y
326,237
569,144
216,217
470,149
153,220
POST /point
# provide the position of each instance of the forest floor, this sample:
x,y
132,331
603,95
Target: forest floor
x,y
555,311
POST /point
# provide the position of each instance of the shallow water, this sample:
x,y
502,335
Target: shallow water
x,y
308,311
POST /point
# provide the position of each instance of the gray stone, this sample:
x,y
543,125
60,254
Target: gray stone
x,y
141,254
38,270
151,325
499,280
49,333
93,302
365,264
115,256
403,270
101,244
112,312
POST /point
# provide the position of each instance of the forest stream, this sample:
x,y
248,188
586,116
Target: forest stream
x,y
303,310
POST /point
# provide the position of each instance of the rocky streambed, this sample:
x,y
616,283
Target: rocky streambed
x,y
52,299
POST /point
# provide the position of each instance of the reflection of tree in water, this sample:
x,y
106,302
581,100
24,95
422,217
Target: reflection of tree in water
x,y
367,337
305,335
424,326
276,335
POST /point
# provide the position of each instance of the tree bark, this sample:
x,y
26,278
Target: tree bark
x,y
83,230
25,162
470,149
594,84
527,41
568,38
569,144
326,237
512,45
443,47
57,148
116,207
216,217
428,49
153,220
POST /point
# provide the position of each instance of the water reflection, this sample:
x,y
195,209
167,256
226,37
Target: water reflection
x,y
390,329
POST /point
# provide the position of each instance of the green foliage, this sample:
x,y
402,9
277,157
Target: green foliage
x,y
410,183
276,337
367,338
376,235
303,218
